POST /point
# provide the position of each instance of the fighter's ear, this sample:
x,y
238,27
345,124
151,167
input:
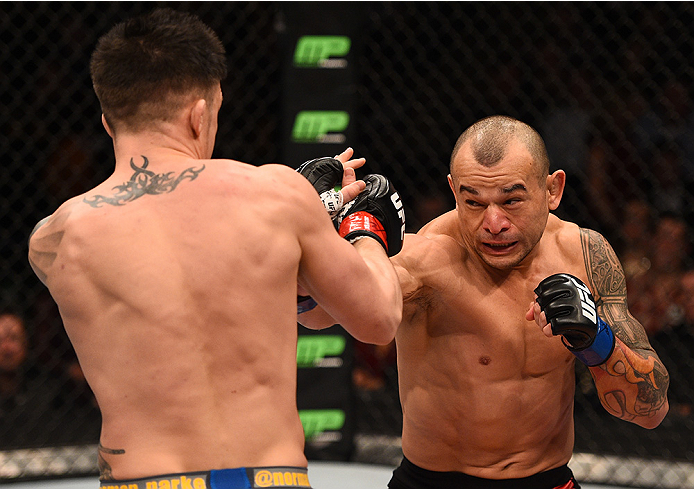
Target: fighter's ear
x,y
197,116
555,188
106,126
452,185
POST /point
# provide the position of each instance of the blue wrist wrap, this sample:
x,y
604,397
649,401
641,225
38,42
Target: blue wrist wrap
x,y
304,303
601,348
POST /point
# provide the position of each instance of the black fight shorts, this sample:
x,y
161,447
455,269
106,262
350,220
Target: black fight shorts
x,y
241,478
410,476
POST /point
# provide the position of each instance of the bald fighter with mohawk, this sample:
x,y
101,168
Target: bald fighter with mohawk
x,y
501,297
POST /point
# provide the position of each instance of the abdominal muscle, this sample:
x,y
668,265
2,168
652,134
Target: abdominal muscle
x,y
495,427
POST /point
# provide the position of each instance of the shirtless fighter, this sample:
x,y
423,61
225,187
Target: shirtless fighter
x,y
176,278
486,385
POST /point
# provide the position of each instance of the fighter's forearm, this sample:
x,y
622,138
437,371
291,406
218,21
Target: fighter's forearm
x,y
632,385
316,318
378,321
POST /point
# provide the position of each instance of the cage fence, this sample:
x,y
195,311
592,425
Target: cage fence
x,y
609,86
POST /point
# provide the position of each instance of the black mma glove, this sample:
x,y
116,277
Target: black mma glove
x,y
325,174
570,309
376,212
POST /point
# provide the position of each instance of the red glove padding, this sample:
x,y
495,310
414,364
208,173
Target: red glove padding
x,y
376,212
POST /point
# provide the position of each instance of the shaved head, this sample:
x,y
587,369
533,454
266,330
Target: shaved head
x,y
489,139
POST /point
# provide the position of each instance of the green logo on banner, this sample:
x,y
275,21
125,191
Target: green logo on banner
x,y
313,126
311,351
317,421
315,51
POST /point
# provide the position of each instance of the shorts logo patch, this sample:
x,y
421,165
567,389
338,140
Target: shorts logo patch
x,y
280,477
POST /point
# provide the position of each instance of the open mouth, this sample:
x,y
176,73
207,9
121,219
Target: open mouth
x,y
499,247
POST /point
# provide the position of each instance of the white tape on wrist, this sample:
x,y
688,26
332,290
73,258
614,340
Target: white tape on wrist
x,y
332,201
357,238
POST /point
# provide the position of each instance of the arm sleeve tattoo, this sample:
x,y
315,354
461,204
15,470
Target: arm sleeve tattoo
x,y
633,382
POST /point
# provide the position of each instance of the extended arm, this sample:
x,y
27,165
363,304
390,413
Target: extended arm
x,y
354,283
376,214
335,181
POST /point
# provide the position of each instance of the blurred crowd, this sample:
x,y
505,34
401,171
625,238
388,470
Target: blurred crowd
x,y
646,215
627,148
44,398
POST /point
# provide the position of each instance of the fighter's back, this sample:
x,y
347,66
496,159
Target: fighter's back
x,y
180,308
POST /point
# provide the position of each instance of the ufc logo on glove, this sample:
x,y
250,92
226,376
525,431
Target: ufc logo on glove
x,y
587,303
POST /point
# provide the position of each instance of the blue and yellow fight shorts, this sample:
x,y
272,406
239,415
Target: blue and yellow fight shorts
x,y
241,478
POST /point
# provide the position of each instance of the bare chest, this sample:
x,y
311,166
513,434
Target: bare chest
x,y
480,327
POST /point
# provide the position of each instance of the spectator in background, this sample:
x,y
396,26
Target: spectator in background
x,y
670,245
55,356
13,354
676,345
25,396
669,118
663,134
427,207
614,171
636,232
70,168
634,249
38,407
666,185
373,365
655,292
566,130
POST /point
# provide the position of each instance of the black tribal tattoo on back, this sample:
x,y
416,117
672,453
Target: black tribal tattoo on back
x,y
144,182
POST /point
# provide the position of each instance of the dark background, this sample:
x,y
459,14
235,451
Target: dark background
x,y
608,85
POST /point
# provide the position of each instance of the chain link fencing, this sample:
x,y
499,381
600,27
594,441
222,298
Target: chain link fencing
x,y
609,86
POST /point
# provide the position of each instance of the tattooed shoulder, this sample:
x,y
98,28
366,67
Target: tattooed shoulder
x,y
43,245
38,225
603,268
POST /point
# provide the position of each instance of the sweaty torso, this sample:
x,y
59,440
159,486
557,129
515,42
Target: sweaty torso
x,y
179,304
483,390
